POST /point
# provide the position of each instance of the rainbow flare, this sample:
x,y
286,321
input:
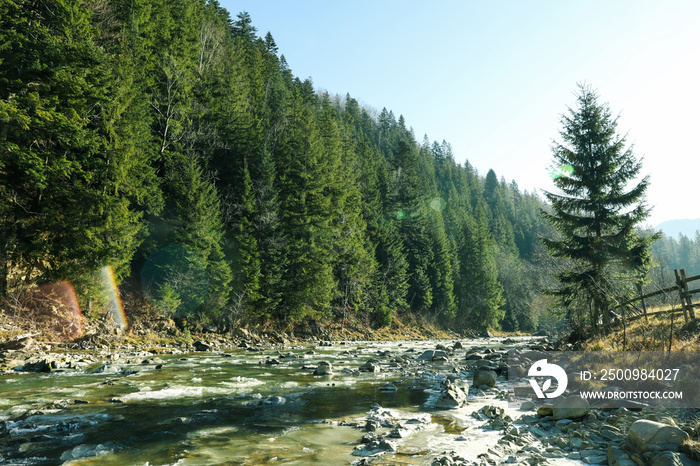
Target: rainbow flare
x,y
117,308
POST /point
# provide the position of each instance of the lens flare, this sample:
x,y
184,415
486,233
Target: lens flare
x,y
563,171
400,214
116,306
438,204
58,304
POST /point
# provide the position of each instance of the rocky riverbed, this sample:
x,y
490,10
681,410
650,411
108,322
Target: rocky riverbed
x,y
389,403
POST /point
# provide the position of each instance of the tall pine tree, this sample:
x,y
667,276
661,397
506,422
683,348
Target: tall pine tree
x,y
596,212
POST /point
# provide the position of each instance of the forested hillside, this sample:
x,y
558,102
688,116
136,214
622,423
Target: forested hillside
x,y
675,253
172,142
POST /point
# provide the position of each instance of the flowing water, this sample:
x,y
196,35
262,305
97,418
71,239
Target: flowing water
x,y
234,408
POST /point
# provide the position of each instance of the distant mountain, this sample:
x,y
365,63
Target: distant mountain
x,y
673,228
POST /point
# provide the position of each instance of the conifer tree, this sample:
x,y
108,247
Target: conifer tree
x,y
596,211
306,213
479,291
192,220
69,173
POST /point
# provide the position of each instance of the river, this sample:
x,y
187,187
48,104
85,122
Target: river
x,y
242,406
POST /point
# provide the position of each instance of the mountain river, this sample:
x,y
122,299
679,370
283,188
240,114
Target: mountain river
x,y
246,406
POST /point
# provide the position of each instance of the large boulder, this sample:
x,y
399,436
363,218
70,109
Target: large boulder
x,y
42,365
487,378
201,346
570,407
651,435
452,396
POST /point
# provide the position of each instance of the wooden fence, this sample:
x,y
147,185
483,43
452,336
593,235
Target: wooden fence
x,y
630,310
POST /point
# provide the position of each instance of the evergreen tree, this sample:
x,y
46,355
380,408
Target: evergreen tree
x,y
192,221
480,294
70,175
595,213
307,212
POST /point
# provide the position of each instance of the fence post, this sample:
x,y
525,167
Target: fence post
x,y
624,328
681,291
644,304
688,299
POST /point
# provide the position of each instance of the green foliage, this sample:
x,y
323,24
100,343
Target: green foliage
x,y
175,278
68,171
596,213
168,140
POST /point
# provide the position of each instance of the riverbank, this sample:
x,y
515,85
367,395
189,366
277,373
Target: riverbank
x,y
148,328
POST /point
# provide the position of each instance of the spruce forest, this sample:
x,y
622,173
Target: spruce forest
x,y
171,142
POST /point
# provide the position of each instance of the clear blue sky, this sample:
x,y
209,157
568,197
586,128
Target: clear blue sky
x,y
493,77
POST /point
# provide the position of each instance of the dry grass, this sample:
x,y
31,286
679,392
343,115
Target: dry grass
x,y
50,312
652,334
691,448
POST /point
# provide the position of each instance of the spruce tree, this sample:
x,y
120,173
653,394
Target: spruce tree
x,y
68,167
480,294
596,212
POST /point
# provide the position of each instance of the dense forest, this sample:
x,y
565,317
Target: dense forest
x,y
170,142
672,253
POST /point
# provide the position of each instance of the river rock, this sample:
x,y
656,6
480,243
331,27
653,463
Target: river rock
x,y
487,378
370,366
651,435
375,448
389,387
324,368
594,457
201,346
671,458
527,405
546,409
452,396
427,355
42,365
570,407
618,457
21,343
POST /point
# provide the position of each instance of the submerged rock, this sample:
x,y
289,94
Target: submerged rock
x,y
273,400
324,368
